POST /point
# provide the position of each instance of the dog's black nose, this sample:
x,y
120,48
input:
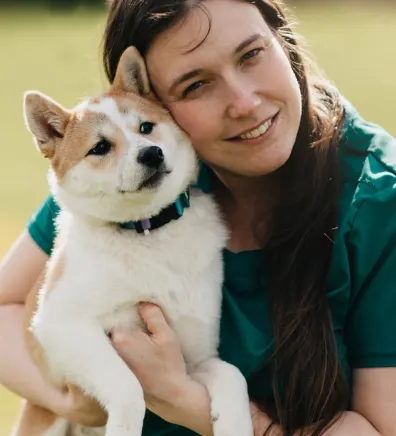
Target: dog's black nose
x,y
151,157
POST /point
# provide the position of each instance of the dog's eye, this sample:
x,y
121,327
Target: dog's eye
x,y
146,128
102,148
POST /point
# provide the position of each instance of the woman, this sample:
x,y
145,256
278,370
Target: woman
x,y
307,189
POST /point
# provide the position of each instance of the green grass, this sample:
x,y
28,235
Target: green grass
x,y
59,55
354,46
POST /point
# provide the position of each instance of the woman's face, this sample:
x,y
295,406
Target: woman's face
x,y
232,90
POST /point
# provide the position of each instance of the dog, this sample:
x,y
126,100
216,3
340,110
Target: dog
x,y
131,229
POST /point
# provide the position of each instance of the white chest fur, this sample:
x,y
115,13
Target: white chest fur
x,y
105,272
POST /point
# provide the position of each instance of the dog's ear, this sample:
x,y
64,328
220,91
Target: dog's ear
x,y
46,120
131,74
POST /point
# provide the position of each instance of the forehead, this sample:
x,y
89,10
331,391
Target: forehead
x,y
119,108
204,36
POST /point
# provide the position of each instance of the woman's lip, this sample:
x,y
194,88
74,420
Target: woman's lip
x,y
259,138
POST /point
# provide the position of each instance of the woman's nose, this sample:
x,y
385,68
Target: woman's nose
x,y
243,100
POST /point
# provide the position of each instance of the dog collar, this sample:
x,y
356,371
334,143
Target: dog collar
x,y
172,212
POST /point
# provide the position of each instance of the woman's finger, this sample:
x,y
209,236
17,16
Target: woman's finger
x,y
154,319
122,337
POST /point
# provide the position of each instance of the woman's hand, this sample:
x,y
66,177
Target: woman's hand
x,y
154,356
156,359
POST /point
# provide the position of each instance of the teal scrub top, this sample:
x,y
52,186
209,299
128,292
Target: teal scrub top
x,y
362,281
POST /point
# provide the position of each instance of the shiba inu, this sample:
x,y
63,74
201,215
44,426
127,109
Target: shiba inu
x,y
131,229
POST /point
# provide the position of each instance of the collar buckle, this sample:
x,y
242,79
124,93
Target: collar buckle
x,y
172,212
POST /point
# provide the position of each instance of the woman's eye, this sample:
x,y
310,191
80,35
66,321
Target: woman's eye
x,y
252,54
193,87
146,128
101,148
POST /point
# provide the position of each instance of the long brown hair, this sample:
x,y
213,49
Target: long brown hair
x,y
307,382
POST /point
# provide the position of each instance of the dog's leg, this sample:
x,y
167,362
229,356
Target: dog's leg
x,y
36,421
227,389
86,357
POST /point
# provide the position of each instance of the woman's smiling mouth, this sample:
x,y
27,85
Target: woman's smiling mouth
x,y
257,132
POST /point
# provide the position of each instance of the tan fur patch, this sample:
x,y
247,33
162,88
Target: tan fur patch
x,y
86,410
78,140
94,100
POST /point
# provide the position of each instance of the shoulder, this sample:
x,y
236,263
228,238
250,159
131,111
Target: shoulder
x,y
361,287
367,158
367,152
367,207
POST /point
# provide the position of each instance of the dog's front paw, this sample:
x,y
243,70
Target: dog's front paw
x,y
127,421
231,415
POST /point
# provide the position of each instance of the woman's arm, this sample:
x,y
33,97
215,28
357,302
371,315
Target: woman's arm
x,y
374,397
17,371
189,407
20,269
349,424
373,404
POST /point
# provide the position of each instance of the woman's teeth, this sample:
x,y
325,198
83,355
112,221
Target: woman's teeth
x,y
257,132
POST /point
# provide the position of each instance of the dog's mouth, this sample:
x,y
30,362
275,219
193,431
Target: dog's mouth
x,y
153,179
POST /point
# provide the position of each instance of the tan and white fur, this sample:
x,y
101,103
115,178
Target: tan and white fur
x,y
99,272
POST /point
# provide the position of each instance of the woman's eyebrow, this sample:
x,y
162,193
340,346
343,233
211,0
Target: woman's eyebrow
x,y
247,42
191,74
184,77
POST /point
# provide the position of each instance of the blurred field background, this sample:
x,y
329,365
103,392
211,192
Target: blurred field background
x,y
58,53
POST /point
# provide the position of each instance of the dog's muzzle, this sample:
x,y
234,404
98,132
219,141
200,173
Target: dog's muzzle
x,y
152,157
155,170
